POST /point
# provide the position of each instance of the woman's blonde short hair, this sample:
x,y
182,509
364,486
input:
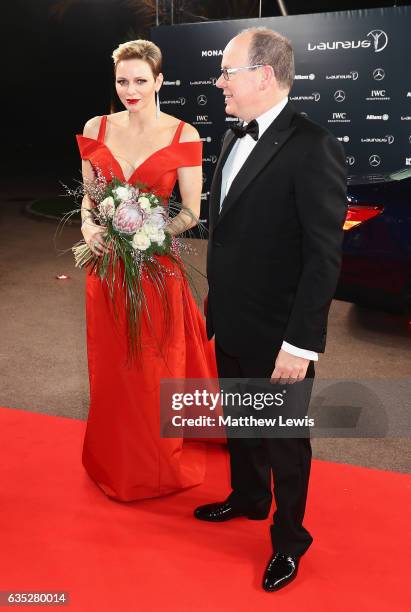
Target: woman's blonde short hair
x,y
139,49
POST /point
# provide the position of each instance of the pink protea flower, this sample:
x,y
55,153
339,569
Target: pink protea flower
x,y
128,218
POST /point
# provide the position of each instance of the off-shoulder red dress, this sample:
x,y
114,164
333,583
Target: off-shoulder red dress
x,y
123,452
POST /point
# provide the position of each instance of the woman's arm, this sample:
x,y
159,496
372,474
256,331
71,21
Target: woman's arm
x,y
190,180
93,234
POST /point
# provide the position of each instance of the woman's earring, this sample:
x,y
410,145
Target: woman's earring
x,y
158,106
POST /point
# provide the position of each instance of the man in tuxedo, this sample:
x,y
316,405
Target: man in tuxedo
x,y
277,207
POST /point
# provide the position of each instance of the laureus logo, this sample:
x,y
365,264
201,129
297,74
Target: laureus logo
x,y
379,39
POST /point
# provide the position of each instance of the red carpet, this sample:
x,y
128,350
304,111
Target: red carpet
x,y
60,533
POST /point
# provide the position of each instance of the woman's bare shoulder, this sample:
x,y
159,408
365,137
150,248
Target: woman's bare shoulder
x,y
117,118
91,127
188,133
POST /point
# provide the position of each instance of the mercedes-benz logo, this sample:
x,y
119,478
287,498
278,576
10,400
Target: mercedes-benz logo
x,y
350,159
378,74
380,39
339,95
201,100
374,160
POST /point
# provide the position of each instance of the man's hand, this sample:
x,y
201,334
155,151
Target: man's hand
x,y
289,368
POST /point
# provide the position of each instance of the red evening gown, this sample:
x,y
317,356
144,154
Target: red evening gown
x,y
123,452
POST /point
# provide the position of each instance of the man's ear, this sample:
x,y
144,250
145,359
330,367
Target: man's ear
x,y
268,77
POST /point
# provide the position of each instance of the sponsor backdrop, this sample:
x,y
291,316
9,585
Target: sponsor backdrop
x,y
352,76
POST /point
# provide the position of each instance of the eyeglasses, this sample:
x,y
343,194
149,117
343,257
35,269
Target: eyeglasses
x,y
227,71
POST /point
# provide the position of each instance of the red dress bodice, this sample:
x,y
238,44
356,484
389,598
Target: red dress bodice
x,y
158,172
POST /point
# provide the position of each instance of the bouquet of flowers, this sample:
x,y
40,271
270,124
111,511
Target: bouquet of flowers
x,y
134,222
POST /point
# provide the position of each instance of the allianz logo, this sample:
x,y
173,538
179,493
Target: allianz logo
x,y
177,83
314,97
389,139
343,138
408,161
206,139
305,77
211,53
376,39
408,94
351,75
384,117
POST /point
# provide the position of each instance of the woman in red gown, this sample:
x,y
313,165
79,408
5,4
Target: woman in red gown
x,y
123,452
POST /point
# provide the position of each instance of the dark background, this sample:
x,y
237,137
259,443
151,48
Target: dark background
x,y
57,67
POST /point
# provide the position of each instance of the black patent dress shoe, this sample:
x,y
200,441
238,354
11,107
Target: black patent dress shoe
x,y
280,571
225,511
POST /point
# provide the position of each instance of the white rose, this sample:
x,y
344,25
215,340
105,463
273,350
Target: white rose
x,y
160,237
158,217
141,241
156,234
150,230
144,203
107,207
123,193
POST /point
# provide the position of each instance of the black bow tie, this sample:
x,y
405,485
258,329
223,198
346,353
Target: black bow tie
x,y
241,130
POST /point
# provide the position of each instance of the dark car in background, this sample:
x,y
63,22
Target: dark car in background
x,y
376,268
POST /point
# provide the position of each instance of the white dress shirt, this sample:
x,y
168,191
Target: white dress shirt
x,y
238,155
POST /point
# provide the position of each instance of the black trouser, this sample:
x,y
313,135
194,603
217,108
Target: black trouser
x,y
253,460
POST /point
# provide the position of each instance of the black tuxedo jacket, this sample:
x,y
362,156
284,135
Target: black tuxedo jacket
x,y
274,251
